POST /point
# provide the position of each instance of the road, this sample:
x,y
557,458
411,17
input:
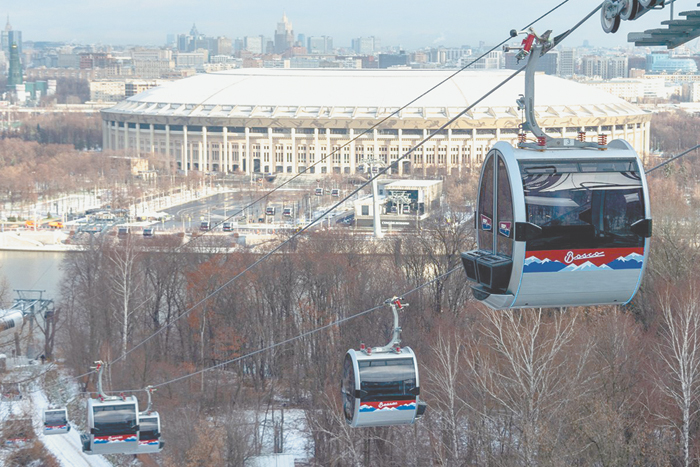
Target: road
x,y
67,448
217,208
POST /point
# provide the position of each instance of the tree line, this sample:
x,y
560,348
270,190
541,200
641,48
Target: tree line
x,y
582,386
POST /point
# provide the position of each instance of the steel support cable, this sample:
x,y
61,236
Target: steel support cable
x,y
318,218
62,381
544,15
357,315
336,205
291,339
394,113
697,146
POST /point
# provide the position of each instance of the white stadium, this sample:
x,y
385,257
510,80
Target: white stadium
x,y
286,120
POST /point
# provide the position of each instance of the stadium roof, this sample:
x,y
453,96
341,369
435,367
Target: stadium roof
x,y
344,93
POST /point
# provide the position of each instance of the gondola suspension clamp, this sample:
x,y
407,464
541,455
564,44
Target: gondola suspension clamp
x,y
533,47
394,344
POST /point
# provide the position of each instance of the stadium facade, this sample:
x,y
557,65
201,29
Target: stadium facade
x,y
283,121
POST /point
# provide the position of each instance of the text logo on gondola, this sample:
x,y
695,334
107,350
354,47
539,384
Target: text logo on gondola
x,y
387,404
485,223
571,257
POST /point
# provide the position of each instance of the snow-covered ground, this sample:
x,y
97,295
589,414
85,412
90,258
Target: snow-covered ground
x,y
66,448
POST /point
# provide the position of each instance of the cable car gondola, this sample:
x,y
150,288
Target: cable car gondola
x,y
56,422
149,434
113,423
149,429
565,224
381,386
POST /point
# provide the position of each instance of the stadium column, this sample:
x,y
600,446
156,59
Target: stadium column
x,y
273,150
329,150
106,134
295,161
400,164
167,143
315,151
115,135
646,138
375,155
185,150
424,151
153,138
126,137
472,149
353,157
247,162
626,132
204,162
225,168
448,152
138,139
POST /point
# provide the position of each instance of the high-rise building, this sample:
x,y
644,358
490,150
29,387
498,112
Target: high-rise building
x,y
9,36
222,46
15,76
492,61
604,67
253,44
284,35
567,62
320,45
391,60
365,45
656,56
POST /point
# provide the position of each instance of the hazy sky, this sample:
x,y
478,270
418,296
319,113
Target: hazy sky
x,y
408,23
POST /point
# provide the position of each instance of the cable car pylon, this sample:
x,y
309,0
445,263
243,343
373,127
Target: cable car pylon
x,y
380,385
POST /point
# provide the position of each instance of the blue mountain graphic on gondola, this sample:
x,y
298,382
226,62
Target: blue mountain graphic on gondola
x,y
534,264
631,261
369,408
587,266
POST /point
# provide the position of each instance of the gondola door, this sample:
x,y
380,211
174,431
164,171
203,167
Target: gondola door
x,y
491,265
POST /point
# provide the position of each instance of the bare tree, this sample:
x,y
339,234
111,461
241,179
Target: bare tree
x,y
447,402
126,283
679,353
526,372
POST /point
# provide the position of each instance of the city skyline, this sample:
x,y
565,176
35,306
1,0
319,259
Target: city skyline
x,y
419,27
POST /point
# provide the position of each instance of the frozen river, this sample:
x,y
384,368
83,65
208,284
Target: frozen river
x,y
32,270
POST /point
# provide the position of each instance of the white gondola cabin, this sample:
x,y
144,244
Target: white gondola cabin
x,y
113,426
381,389
560,227
149,433
56,422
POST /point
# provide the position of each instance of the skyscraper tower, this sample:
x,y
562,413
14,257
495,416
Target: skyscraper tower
x,y
284,35
9,36
15,75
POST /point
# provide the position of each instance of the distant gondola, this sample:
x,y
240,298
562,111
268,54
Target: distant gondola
x,y
381,387
56,422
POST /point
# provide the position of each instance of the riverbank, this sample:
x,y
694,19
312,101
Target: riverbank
x,y
29,240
